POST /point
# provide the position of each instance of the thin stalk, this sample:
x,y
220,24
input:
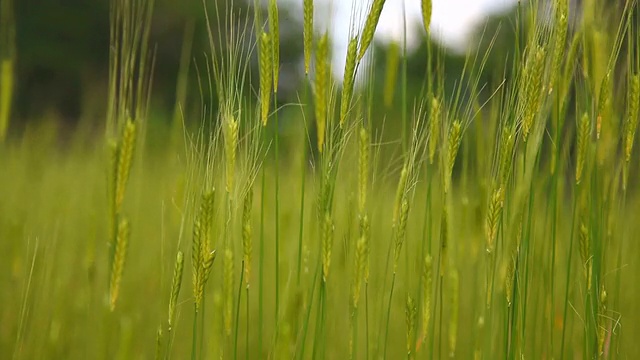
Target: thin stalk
x,y
246,339
319,321
366,318
194,337
202,326
386,334
384,290
235,340
302,183
277,210
440,310
305,326
354,319
568,278
404,82
261,256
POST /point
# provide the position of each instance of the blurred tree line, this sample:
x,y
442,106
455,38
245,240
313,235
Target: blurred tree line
x,y
62,49
62,57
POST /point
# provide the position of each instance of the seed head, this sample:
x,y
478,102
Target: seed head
x,y
266,74
584,137
322,88
175,287
370,27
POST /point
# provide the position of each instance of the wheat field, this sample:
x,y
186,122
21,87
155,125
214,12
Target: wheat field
x,y
495,219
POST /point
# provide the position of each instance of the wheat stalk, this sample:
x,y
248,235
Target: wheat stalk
x,y
454,283
427,285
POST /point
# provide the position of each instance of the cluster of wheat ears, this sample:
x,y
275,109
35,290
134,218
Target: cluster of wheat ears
x,y
497,223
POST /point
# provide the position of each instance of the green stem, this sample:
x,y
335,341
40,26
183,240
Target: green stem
x,y
310,306
202,327
261,256
568,278
246,349
319,321
354,345
194,338
386,334
302,186
366,318
277,210
235,340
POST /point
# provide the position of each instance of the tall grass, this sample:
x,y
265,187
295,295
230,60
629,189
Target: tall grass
x,y
491,219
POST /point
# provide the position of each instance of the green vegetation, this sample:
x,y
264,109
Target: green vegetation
x,y
489,217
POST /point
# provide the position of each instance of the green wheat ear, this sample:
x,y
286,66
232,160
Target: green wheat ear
x,y
507,142
201,256
322,88
247,235
493,218
370,27
509,280
175,288
534,81
585,252
117,266
125,157
633,106
400,232
426,14
227,275
266,74
230,146
360,258
560,26
348,80
434,128
327,244
410,315
307,33
274,29
455,138
583,139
